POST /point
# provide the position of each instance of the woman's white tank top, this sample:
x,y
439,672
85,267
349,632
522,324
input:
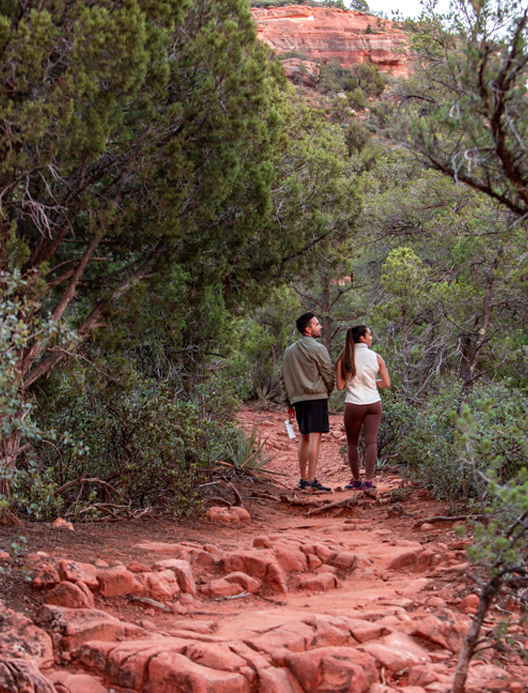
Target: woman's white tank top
x,y
362,388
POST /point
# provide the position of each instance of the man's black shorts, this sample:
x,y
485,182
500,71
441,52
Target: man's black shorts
x,y
312,416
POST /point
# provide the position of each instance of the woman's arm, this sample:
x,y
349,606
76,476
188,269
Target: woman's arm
x,y
340,381
383,373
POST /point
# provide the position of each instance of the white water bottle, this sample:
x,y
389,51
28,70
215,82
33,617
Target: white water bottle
x,y
289,429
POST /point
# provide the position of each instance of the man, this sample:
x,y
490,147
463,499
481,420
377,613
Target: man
x,y
307,381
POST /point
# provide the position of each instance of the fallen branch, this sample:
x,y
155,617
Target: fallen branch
x,y
302,501
265,496
335,504
115,511
84,479
245,593
218,499
62,488
238,497
150,602
445,518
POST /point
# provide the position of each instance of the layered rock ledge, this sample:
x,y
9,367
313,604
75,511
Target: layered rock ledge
x,y
332,34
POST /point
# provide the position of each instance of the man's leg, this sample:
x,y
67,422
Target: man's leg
x,y
302,453
313,454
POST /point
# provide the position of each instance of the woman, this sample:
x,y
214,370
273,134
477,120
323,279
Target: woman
x,y
357,369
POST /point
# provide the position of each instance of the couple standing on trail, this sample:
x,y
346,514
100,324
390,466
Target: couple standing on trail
x,y
308,379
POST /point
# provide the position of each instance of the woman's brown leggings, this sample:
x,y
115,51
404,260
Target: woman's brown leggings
x,y
370,416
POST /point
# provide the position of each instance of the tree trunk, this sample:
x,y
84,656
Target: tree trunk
x,y
405,362
9,451
470,641
326,319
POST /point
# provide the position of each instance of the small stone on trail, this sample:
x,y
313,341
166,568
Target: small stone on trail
x,y
133,566
229,516
320,583
101,563
60,522
113,582
76,626
469,604
322,668
204,559
20,638
65,682
313,561
4,556
70,595
326,569
183,572
72,571
221,588
45,577
262,565
161,585
250,584
17,675
203,627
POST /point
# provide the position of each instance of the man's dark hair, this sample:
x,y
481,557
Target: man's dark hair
x,y
303,322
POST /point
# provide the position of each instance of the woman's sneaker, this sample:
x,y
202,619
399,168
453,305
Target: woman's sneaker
x,y
369,485
354,485
303,483
316,486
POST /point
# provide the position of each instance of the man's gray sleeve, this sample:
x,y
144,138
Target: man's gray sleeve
x,y
326,369
285,398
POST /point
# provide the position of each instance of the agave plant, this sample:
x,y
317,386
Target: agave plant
x,y
245,452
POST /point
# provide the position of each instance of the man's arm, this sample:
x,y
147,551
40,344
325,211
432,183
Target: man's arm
x,y
326,369
285,398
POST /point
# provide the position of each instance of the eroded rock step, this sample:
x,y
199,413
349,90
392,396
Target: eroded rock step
x,y
407,640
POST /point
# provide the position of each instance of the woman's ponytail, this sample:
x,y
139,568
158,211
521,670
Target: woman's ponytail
x,y
347,361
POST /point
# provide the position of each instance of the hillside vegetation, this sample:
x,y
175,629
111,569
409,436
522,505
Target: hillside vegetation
x,y
169,205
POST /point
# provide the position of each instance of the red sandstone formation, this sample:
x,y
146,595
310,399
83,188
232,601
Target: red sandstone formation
x,y
331,34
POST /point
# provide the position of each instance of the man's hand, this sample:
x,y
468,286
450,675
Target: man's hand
x,y
291,412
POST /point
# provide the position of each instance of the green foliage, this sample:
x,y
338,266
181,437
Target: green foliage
x,y
500,534
244,452
424,438
34,491
21,326
356,137
359,6
357,99
134,442
18,545
464,105
334,78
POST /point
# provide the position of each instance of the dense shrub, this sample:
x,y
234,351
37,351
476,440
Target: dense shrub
x,y
425,439
132,442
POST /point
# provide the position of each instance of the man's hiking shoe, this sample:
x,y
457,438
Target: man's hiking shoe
x,y
369,485
303,483
354,485
316,486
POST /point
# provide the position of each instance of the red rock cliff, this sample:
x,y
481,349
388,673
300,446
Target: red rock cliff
x,y
332,34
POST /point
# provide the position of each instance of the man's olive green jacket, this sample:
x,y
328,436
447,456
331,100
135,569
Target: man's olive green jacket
x,y
307,371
